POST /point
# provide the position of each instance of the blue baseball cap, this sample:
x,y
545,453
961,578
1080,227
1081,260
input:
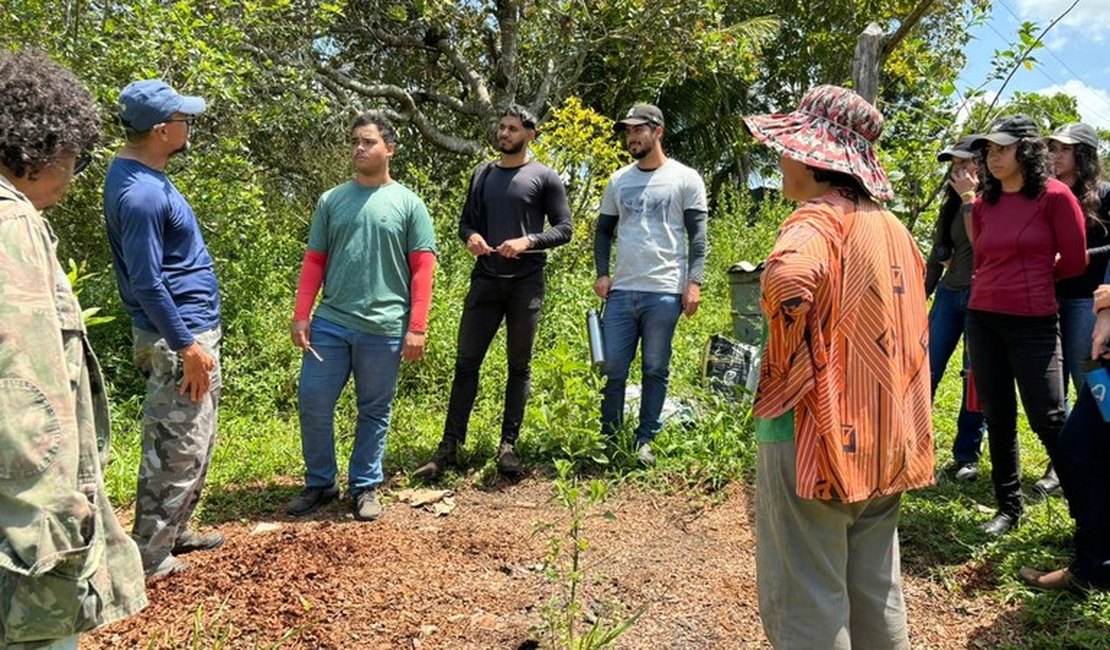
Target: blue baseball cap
x,y
143,104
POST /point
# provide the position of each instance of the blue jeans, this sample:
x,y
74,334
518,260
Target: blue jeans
x,y
629,317
375,362
1083,453
1077,321
947,322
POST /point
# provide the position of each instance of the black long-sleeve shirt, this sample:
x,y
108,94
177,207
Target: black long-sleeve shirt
x,y
506,203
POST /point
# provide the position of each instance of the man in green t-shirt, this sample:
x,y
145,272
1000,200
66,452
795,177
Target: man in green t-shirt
x,y
372,248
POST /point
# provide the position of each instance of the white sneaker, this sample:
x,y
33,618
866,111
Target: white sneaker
x,y
644,455
966,472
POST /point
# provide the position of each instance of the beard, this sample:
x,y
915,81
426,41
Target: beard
x,y
510,148
638,154
182,149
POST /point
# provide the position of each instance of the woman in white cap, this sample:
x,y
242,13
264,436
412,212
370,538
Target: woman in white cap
x,y
844,414
1073,151
948,274
1027,232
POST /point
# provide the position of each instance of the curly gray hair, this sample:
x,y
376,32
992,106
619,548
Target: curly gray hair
x,y
46,112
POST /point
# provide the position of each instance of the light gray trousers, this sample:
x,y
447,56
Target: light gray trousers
x,y
828,573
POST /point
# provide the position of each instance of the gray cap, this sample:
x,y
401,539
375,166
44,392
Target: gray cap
x,y
1076,133
962,149
640,114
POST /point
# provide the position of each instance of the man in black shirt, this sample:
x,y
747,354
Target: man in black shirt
x,y
502,224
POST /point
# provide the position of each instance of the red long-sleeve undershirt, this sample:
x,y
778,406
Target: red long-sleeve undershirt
x,y
422,266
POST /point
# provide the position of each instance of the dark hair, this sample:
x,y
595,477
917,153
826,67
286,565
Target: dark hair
x,y
373,118
1088,170
46,113
949,210
845,182
133,136
1032,155
523,114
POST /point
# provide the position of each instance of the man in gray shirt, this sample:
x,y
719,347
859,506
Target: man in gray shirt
x,y
502,224
656,208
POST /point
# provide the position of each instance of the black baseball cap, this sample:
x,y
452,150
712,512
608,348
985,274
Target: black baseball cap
x,y
961,149
640,114
1007,131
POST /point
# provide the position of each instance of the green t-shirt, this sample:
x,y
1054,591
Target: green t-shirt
x,y
367,234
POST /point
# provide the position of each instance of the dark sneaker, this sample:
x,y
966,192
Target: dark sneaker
x,y
644,455
311,499
1048,484
1058,580
167,567
1001,524
964,472
366,505
508,462
191,541
446,455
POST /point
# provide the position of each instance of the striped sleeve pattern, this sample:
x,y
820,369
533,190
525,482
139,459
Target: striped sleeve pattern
x,y
847,349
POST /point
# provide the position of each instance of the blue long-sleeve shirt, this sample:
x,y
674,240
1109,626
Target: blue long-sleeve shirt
x,y
165,275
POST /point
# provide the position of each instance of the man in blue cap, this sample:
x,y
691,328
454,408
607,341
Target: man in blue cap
x,y
168,285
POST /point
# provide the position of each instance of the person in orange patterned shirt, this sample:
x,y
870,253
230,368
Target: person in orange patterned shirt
x,y
843,406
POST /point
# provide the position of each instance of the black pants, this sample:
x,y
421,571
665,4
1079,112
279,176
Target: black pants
x,y
1005,348
1082,457
490,299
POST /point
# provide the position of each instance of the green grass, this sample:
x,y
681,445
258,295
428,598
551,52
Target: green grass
x,y
257,464
940,539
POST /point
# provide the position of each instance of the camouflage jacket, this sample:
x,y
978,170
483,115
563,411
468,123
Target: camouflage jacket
x,y
66,564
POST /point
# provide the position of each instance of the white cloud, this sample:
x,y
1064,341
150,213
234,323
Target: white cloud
x,y
1093,16
1094,103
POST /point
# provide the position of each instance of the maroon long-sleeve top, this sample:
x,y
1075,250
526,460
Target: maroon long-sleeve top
x,y
1022,246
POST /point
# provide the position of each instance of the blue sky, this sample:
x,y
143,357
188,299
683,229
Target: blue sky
x,y
1076,59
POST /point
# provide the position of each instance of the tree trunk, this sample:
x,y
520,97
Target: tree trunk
x,y
867,62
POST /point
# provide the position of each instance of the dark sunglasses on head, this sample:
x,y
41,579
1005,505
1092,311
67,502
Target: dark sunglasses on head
x,y
82,162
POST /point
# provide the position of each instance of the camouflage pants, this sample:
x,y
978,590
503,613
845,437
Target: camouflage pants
x,y
68,643
178,438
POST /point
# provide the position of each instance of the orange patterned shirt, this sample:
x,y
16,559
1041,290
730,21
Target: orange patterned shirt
x,y
847,349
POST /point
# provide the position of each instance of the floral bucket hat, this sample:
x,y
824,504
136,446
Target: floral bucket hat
x,y
833,129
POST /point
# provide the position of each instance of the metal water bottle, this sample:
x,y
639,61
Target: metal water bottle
x,y
597,342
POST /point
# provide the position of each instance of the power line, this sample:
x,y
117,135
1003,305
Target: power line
x,y
1047,47
1074,74
1095,111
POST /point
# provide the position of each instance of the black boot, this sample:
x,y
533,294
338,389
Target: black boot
x,y
1048,484
1000,524
446,455
508,462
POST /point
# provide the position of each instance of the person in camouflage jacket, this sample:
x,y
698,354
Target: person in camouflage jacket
x,y
66,564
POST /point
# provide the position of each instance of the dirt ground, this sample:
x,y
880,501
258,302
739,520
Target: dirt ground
x,y
475,579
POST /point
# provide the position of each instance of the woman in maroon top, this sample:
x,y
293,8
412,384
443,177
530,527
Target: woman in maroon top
x,y
1027,231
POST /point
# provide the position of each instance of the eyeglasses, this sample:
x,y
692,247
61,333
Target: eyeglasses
x,y
190,120
82,162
